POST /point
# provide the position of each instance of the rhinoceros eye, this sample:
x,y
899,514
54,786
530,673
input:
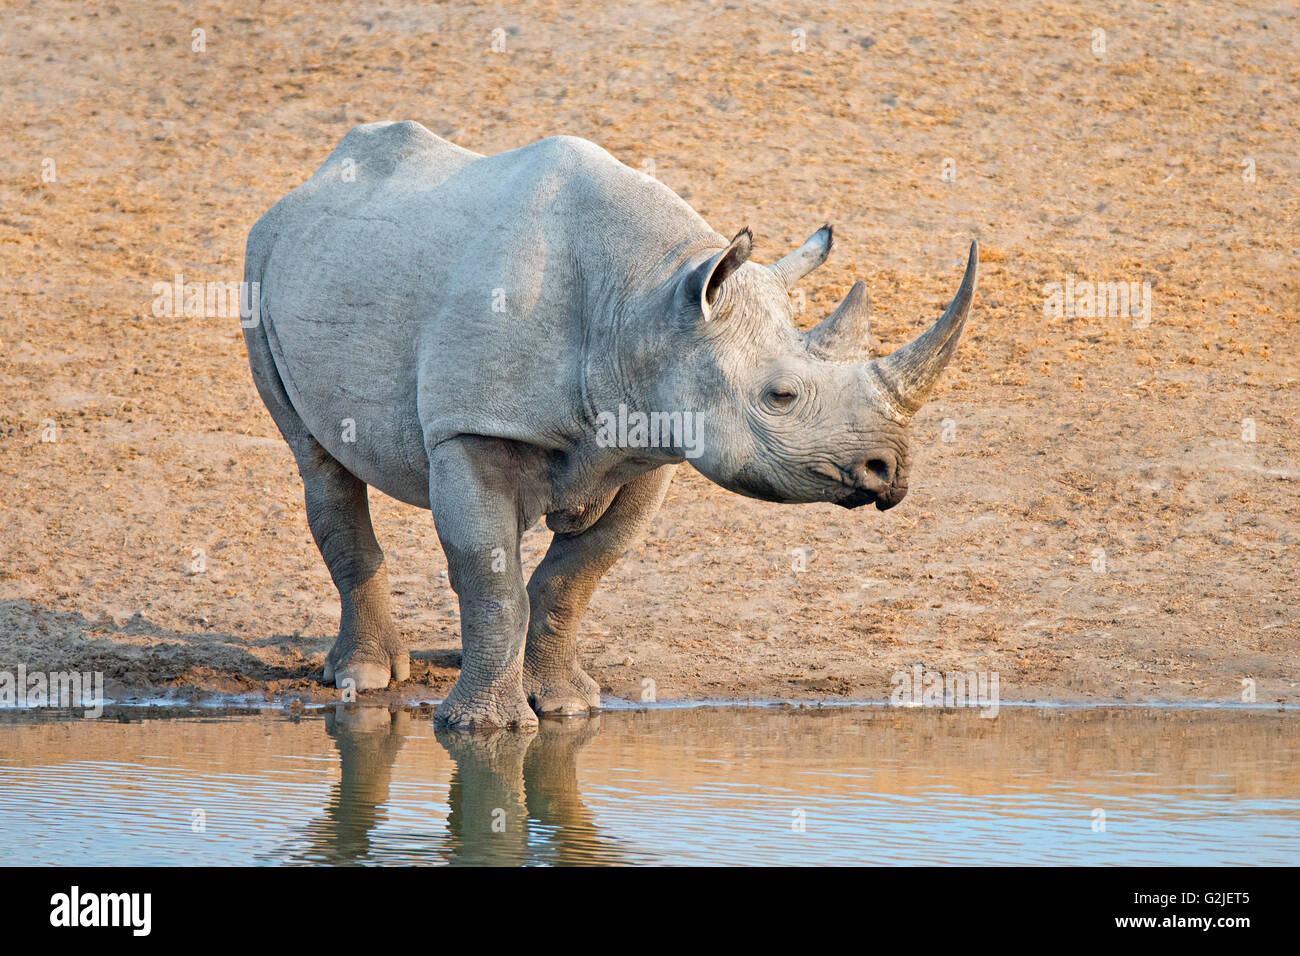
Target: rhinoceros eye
x,y
781,396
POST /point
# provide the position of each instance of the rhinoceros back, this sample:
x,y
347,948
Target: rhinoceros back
x,y
413,290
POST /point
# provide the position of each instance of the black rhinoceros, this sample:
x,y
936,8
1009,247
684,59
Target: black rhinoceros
x,y
545,332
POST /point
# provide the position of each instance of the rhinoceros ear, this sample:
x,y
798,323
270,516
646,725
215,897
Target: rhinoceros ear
x,y
706,281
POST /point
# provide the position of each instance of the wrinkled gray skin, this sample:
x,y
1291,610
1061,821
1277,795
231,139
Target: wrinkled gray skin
x,y
446,327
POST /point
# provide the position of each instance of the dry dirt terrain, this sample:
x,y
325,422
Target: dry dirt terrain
x,y
1103,506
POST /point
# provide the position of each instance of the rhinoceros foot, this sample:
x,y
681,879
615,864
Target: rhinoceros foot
x,y
475,710
364,675
368,663
569,694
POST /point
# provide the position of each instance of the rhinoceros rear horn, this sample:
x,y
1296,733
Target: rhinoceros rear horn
x,y
911,372
845,334
706,281
806,258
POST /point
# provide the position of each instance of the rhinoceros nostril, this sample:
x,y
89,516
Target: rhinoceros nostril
x,y
873,474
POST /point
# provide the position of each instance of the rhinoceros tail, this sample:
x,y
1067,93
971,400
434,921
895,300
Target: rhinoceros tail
x,y
261,357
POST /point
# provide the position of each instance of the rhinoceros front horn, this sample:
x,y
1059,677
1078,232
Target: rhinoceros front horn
x,y
910,373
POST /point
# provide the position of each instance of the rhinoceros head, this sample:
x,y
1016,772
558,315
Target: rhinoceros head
x,y
790,416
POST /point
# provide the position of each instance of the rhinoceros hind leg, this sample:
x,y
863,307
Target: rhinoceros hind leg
x,y
369,650
562,586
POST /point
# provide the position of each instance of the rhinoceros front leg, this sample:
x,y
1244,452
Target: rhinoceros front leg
x,y
474,493
561,588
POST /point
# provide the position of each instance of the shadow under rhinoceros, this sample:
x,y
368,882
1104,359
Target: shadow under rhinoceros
x,y
513,797
51,639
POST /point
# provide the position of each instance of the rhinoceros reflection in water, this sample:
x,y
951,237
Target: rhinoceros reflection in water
x,y
513,796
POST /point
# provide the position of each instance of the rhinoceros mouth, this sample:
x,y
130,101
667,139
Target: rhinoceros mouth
x,y
859,497
841,492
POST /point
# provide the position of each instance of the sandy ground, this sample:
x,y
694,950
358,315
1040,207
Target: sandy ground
x,y
129,158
